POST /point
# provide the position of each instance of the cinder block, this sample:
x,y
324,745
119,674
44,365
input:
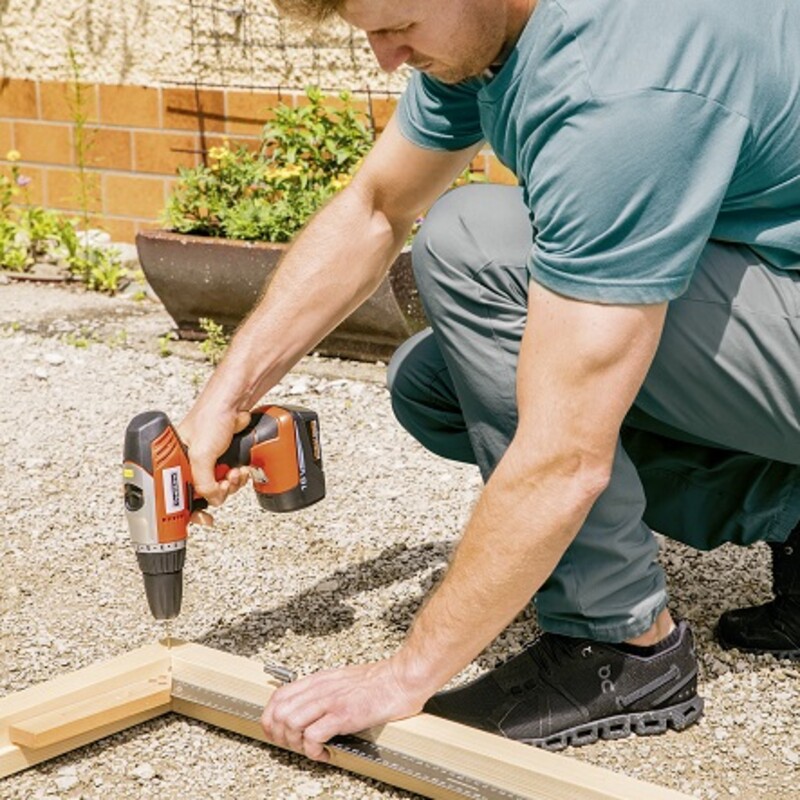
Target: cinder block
x,y
498,173
64,190
44,142
109,148
131,106
381,111
120,230
193,109
58,101
133,196
246,112
162,152
17,98
6,138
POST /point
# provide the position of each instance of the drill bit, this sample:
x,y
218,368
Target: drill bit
x,y
168,633
282,673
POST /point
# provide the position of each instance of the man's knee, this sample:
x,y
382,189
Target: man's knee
x,y
409,370
466,229
443,239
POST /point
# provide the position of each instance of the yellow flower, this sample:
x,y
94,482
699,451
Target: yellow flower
x,y
13,155
340,181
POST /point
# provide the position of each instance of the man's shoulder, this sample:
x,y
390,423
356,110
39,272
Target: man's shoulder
x,y
631,45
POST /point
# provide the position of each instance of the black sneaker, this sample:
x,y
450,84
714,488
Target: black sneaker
x,y
563,691
772,628
775,626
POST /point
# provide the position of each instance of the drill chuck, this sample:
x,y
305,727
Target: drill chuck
x,y
163,580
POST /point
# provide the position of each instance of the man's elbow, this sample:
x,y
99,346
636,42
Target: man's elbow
x,y
578,474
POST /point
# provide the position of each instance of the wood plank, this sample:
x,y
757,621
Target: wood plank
x,y
510,766
75,688
14,758
81,717
73,710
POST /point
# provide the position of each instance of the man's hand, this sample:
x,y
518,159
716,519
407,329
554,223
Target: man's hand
x,y
302,716
207,434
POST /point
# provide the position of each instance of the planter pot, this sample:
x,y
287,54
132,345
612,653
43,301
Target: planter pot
x,y
199,276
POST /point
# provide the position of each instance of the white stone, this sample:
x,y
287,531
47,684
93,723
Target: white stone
x,y
94,237
308,788
54,359
791,756
300,386
66,782
144,772
355,390
41,373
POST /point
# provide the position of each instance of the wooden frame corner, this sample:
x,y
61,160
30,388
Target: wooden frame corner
x,y
70,711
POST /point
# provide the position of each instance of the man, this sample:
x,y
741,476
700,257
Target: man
x,y
615,341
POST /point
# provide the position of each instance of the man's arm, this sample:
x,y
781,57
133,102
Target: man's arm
x,y
332,267
580,367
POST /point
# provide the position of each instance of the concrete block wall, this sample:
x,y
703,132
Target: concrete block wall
x,y
139,136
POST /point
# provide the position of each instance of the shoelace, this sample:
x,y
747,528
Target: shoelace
x,y
554,651
548,652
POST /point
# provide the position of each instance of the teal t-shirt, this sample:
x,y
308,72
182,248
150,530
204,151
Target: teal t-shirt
x,y
639,130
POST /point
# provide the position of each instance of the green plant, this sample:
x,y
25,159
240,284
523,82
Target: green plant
x,y
306,155
30,233
164,349
99,268
117,339
82,138
81,338
215,344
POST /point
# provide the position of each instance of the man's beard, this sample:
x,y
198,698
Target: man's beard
x,y
455,73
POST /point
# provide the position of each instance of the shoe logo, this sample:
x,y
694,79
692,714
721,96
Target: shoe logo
x,y
606,684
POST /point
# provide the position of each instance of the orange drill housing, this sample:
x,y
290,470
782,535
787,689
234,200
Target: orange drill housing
x,y
173,489
280,447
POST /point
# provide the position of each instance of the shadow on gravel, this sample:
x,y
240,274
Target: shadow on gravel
x,y
321,610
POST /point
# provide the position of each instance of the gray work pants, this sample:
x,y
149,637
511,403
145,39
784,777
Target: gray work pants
x,y
708,454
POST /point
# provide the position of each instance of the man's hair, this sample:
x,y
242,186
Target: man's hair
x,y
309,10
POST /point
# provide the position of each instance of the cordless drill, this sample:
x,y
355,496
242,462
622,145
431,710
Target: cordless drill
x,y
281,448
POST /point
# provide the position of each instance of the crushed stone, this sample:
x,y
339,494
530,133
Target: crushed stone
x,y
334,584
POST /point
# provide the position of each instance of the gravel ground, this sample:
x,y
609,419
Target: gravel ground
x,y
336,583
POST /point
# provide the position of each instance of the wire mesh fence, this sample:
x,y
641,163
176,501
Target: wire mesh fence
x,y
246,44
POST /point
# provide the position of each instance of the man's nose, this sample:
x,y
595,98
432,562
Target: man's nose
x,y
390,55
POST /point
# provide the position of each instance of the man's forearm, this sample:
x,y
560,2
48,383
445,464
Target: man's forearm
x,y
332,267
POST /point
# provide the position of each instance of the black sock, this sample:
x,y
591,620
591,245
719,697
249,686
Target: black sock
x,y
650,649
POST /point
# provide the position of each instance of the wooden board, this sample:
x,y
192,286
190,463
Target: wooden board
x,y
74,691
511,766
68,712
74,719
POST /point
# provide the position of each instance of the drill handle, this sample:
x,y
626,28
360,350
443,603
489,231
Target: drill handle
x,y
238,454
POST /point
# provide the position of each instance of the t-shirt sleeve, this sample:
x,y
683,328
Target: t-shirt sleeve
x,y
439,116
625,193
